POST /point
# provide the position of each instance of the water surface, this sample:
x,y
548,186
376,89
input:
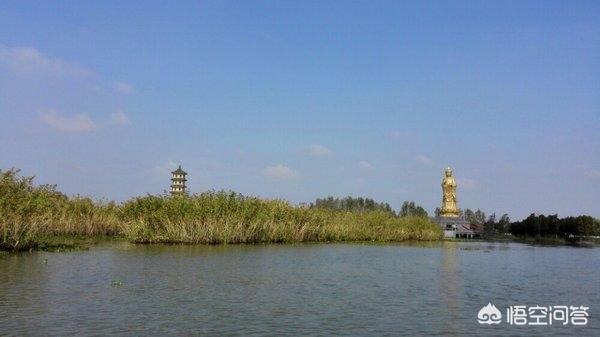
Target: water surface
x,y
302,289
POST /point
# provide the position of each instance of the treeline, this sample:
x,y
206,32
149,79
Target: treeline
x,y
351,204
552,226
545,226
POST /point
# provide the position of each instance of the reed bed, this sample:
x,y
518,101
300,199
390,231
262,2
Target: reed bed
x,y
227,217
29,214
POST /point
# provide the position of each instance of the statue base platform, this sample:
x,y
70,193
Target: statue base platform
x,y
455,227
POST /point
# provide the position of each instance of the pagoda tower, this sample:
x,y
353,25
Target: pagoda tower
x,y
178,181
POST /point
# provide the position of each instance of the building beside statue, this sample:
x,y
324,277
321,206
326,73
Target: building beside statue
x,y
450,220
178,181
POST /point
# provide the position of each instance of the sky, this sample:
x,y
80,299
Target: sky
x,y
305,99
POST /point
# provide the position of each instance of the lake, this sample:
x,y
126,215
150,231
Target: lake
x,y
294,289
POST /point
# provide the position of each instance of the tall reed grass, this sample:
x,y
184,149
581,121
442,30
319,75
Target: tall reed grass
x,y
29,213
227,217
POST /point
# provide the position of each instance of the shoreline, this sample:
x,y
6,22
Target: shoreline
x,y
38,217
67,243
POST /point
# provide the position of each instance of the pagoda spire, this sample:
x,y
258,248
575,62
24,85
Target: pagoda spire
x,y
178,181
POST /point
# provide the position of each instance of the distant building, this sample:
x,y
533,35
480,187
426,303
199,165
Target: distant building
x,y
479,228
178,181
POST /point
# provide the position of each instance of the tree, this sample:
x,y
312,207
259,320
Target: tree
x,y
479,216
410,209
503,224
469,215
474,218
579,227
570,228
490,224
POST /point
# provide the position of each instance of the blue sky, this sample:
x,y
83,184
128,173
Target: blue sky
x,y
303,99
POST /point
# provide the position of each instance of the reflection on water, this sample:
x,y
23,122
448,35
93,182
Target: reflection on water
x,y
449,285
303,289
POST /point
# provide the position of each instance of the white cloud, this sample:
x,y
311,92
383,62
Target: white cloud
x,y
34,79
424,160
593,174
124,88
363,164
317,150
119,118
468,184
165,168
397,134
279,172
74,123
29,61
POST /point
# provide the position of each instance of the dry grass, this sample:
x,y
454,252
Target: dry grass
x,y
29,213
219,217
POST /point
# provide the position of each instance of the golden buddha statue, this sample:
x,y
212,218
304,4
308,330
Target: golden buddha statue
x,y
449,204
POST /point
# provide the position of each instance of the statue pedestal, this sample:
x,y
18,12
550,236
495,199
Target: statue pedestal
x,y
455,227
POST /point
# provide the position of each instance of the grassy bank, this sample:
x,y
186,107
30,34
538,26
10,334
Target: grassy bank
x,y
30,216
533,240
556,241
